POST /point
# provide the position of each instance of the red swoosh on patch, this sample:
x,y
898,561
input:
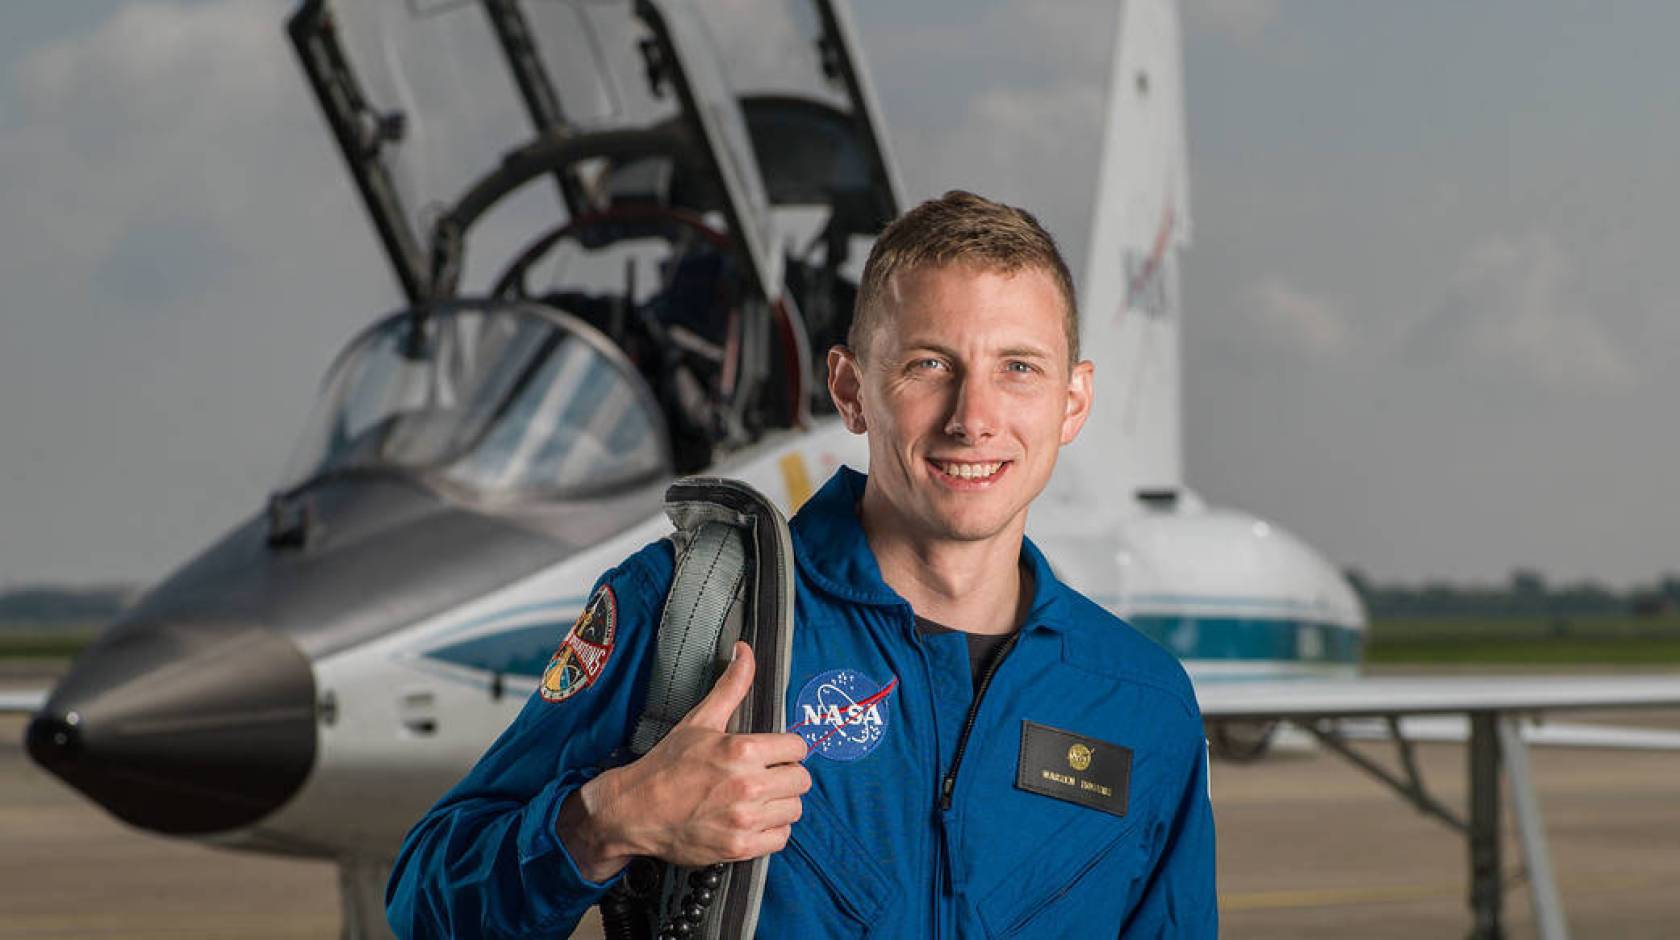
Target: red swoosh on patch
x,y
863,707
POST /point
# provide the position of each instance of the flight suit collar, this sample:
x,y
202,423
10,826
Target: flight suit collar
x,y
834,554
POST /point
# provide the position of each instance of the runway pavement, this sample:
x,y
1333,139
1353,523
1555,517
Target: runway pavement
x,y
1309,848
1312,848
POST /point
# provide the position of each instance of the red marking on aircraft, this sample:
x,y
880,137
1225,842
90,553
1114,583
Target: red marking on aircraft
x,y
1157,253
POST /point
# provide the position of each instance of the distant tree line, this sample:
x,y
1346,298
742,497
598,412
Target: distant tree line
x,y
55,605
1525,594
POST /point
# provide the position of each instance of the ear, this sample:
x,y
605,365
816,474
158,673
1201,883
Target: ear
x,y
1078,400
845,386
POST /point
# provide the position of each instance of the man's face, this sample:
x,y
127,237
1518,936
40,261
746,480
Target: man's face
x,y
967,394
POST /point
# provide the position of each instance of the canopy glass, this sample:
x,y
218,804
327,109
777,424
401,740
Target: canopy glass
x,y
508,400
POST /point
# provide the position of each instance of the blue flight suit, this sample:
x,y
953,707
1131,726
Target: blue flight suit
x,y
879,850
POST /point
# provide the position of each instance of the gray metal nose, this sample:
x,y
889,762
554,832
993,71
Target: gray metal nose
x,y
182,729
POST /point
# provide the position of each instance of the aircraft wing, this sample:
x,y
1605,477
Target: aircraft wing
x,y
22,701
1496,714
1455,729
1383,696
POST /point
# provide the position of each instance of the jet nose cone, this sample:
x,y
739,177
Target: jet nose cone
x,y
183,729
53,741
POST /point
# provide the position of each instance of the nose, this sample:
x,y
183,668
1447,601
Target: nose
x,y
973,415
183,729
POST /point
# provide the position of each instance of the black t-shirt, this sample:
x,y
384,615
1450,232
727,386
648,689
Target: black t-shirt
x,y
981,646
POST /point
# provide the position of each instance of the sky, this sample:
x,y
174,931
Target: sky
x,y
1430,307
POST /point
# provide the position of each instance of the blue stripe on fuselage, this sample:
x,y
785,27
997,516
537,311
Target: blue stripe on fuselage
x,y
520,651
1284,639
525,650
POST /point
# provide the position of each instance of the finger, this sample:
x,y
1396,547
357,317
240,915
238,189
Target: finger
x,y
714,710
775,839
768,749
763,843
783,812
787,780
771,783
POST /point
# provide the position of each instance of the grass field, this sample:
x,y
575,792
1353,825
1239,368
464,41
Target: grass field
x,y
1631,641
38,643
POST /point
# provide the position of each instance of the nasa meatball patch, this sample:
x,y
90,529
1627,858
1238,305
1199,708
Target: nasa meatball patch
x,y
842,714
583,652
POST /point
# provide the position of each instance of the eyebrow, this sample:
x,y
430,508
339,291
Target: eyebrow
x,y
1010,352
912,348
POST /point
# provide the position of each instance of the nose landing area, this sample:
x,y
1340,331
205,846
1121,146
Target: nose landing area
x,y
183,730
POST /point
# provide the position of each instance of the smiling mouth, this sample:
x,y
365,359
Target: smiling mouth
x,y
976,472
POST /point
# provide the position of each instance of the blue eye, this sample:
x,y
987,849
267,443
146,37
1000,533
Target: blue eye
x,y
1017,366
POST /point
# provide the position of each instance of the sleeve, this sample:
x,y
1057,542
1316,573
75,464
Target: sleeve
x,y
1179,899
486,861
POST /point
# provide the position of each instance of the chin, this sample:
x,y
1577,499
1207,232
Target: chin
x,y
972,526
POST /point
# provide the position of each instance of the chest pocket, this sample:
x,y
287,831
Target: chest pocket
x,y
825,883
1042,897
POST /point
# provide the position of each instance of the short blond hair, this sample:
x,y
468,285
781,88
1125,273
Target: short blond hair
x,y
960,227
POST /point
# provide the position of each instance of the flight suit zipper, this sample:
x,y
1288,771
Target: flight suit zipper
x,y
949,786
937,932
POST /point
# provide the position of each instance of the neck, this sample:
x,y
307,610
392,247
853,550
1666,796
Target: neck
x,y
977,586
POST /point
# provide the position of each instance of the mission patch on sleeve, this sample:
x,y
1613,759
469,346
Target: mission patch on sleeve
x,y
1073,767
583,651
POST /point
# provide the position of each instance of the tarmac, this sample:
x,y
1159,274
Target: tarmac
x,y
1309,847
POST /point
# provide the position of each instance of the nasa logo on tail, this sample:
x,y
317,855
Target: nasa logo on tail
x,y
1146,283
842,714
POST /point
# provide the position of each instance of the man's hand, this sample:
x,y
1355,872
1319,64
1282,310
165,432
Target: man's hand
x,y
700,796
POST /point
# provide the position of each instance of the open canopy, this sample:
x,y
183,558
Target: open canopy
x,y
731,107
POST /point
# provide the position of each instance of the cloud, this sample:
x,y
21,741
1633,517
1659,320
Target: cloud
x,y
1314,326
1003,42
1513,308
984,107
1036,147
172,152
181,254
1241,21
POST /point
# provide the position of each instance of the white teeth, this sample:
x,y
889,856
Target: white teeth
x,y
971,471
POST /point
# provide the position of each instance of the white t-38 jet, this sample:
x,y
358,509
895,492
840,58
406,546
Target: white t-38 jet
x,y
628,231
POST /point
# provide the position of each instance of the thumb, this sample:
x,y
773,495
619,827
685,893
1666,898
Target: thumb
x,y
714,710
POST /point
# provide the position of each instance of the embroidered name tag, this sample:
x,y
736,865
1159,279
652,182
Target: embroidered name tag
x,y
1073,767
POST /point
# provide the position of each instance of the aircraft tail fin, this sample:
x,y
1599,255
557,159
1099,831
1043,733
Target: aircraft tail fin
x,y
1130,301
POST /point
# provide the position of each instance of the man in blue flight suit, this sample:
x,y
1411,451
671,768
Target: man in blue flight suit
x,y
976,750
